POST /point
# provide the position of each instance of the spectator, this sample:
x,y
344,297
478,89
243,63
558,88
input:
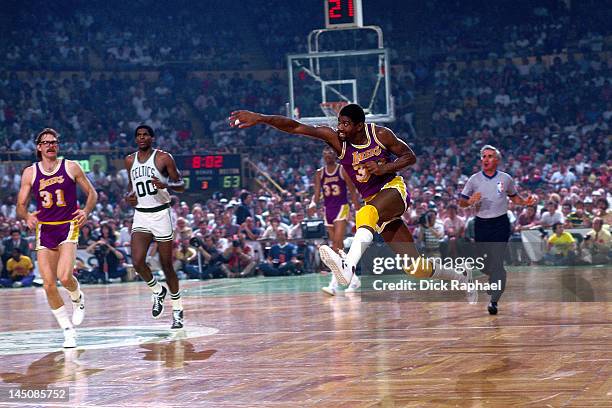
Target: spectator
x,y
110,260
454,228
551,216
282,259
20,270
598,243
272,230
214,264
239,258
244,209
528,218
431,233
295,228
14,241
561,246
184,257
86,237
183,231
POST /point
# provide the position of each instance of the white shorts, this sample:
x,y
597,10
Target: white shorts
x,y
158,224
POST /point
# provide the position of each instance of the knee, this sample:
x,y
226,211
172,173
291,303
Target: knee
x,y
66,281
139,263
49,286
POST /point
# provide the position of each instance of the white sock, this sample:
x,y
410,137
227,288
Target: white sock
x,y
154,285
363,238
177,301
62,317
443,273
76,294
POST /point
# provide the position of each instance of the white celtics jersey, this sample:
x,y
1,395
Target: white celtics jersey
x,y
141,175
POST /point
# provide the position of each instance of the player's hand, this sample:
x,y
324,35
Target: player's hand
x,y
158,183
243,119
32,219
132,199
374,167
80,216
475,198
531,200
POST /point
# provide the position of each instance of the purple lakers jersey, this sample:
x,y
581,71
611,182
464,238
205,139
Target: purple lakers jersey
x,y
334,188
55,193
353,158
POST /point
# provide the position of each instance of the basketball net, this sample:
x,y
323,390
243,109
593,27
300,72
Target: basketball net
x,y
331,111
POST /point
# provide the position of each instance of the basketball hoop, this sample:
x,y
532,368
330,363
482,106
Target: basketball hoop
x,y
332,109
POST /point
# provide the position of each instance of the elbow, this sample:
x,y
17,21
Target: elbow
x,y
411,160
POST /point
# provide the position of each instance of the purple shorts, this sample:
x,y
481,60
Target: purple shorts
x,y
333,214
52,235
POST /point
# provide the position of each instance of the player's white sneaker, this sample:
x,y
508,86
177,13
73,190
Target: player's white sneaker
x,y
471,293
354,286
69,338
344,274
329,290
78,310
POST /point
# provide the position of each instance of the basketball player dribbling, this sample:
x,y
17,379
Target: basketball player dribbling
x,y
57,220
152,172
365,152
334,183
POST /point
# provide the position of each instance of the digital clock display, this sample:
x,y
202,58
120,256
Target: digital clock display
x,y
343,13
212,172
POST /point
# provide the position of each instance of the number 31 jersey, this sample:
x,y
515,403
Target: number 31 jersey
x,y
55,193
141,175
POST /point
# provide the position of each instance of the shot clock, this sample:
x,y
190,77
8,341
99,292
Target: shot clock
x,y
343,13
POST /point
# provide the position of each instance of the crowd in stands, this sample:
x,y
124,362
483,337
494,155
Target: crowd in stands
x,y
103,74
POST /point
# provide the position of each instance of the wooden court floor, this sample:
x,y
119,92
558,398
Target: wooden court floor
x,y
279,342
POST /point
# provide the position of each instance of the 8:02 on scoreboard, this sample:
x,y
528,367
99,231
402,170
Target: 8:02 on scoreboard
x,y
211,172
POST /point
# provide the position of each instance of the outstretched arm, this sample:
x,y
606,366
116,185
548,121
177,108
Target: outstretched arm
x,y
405,155
245,119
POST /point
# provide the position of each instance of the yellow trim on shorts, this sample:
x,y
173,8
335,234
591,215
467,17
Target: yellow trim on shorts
x,y
55,222
343,213
397,183
74,232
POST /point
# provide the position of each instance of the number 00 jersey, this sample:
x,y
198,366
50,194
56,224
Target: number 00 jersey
x,y
141,175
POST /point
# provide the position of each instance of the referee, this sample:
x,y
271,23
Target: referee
x,y
488,190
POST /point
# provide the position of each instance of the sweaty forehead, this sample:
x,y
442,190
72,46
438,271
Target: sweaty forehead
x,y
143,132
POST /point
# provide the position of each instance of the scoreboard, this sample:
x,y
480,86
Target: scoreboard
x,y
211,172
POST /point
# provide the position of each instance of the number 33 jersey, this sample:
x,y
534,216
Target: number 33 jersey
x,y
55,193
353,158
141,175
